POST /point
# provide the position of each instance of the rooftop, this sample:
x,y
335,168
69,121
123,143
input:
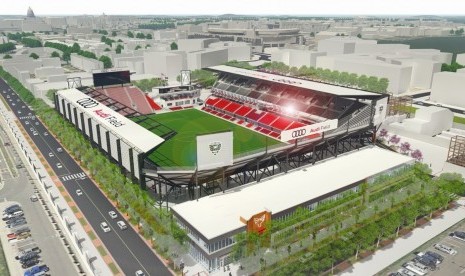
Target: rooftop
x,y
122,127
317,86
218,214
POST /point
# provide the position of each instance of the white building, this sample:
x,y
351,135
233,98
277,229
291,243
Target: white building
x,y
448,89
213,221
167,63
460,59
86,64
206,58
430,121
190,45
236,50
296,58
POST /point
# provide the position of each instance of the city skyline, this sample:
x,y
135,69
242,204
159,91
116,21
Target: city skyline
x,y
243,7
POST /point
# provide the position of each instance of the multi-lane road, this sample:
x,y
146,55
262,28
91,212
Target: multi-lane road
x,y
126,246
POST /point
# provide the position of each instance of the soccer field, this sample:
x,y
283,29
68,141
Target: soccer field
x,y
180,150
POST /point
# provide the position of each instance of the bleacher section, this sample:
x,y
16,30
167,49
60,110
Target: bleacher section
x,y
111,103
308,101
131,97
265,122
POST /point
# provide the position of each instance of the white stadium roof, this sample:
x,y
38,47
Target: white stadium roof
x,y
133,134
317,86
219,214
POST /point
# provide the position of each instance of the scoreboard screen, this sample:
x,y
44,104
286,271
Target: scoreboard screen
x,y
111,78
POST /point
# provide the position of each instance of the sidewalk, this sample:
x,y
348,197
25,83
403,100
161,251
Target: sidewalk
x,y
404,245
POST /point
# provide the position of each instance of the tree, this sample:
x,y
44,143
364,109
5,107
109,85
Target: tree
x,y
75,48
174,46
137,47
359,35
55,54
451,32
383,133
34,56
106,61
7,47
7,56
149,36
107,50
405,148
362,82
417,155
394,139
119,48
130,34
113,33
383,85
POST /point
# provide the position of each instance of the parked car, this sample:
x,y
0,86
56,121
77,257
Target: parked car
x,y
79,192
32,249
426,261
11,209
435,255
105,227
28,256
11,206
458,235
15,220
30,263
36,270
416,268
445,249
17,223
23,235
406,272
12,215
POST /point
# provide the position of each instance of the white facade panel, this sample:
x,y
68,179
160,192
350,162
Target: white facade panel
x,y
94,131
103,139
114,146
125,156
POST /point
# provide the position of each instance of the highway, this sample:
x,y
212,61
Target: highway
x,y
126,246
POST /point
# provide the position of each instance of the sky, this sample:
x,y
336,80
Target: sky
x,y
216,7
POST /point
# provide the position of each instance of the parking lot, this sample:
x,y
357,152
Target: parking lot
x,y
17,185
453,264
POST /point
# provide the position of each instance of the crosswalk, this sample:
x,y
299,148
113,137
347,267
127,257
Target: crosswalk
x,y
73,176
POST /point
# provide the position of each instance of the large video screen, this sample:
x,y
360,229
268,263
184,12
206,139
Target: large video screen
x,y
111,78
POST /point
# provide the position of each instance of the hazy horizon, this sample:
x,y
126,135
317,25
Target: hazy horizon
x,y
239,7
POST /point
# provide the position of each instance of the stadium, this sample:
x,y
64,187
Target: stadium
x,y
253,127
277,123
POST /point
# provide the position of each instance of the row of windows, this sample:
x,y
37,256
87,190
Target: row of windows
x,y
221,244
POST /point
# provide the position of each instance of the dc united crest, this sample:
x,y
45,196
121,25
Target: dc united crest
x,y
215,147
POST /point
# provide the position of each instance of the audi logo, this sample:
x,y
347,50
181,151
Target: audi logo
x,y
298,133
87,102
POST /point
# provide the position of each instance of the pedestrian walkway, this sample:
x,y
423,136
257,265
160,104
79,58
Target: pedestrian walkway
x,y
404,245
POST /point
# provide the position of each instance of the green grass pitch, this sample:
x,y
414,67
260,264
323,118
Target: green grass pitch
x,y
180,150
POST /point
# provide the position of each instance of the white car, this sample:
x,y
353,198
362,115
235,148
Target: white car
x,y
445,249
35,133
51,154
59,165
26,122
140,273
45,133
113,214
79,192
105,227
122,225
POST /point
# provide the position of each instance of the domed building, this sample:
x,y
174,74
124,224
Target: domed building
x,y
30,13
